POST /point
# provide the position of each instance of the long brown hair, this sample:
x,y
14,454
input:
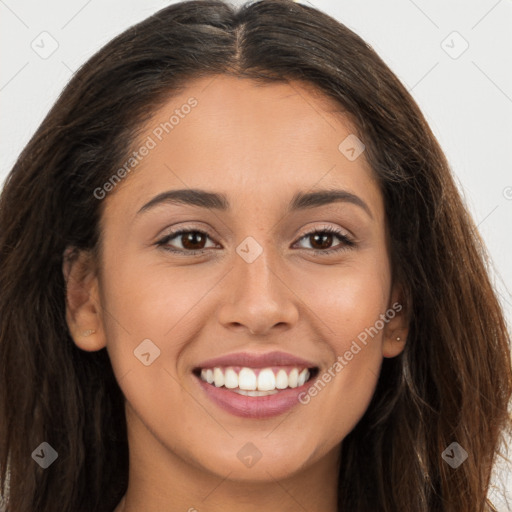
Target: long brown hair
x,y
452,383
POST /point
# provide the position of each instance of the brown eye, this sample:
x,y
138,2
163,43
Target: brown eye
x,y
191,240
322,239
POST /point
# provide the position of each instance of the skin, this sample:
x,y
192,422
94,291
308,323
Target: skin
x,y
258,145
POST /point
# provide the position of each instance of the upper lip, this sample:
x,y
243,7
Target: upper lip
x,y
251,360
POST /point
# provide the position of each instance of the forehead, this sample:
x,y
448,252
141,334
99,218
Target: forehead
x,y
255,143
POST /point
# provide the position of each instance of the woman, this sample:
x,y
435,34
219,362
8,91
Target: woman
x,y
237,274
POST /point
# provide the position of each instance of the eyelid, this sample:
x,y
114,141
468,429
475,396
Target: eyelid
x,y
329,228
347,240
162,241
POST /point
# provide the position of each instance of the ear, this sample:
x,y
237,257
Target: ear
x,y
83,309
397,327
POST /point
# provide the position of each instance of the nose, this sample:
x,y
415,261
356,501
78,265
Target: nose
x,y
258,298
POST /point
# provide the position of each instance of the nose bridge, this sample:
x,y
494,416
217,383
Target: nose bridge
x,y
256,277
258,298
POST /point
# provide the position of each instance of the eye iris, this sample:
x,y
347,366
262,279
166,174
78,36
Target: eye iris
x,y
191,238
324,236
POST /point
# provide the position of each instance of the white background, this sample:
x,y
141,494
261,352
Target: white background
x,y
467,100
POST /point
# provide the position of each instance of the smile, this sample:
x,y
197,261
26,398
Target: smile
x,y
255,386
255,381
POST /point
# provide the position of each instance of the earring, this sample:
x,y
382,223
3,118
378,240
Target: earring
x,y
398,338
88,332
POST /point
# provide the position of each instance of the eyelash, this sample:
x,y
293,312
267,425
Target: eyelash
x,y
347,243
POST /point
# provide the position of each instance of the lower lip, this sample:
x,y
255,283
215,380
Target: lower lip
x,y
254,406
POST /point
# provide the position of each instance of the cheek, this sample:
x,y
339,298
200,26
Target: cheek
x,y
153,299
139,304
347,299
349,303
142,303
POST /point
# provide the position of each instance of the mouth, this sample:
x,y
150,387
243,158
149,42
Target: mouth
x,y
256,382
250,392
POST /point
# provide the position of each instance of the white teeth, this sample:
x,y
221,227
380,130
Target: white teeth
x,y
247,379
230,379
207,375
281,380
266,380
218,377
293,378
255,393
303,377
247,383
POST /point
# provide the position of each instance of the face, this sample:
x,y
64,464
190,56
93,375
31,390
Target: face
x,y
246,267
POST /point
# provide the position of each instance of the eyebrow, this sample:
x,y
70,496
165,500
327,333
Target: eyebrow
x,y
215,201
